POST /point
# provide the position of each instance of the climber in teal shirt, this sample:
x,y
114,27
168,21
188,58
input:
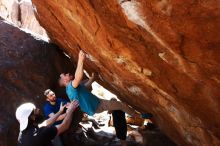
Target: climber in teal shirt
x,y
88,102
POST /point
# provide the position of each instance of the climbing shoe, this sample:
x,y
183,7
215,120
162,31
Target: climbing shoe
x,y
146,116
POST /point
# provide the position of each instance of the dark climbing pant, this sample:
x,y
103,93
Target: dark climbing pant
x,y
119,122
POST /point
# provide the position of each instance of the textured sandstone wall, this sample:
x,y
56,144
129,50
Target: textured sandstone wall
x,y
158,56
21,13
27,67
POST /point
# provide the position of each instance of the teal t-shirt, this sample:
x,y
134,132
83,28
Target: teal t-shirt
x,y
87,101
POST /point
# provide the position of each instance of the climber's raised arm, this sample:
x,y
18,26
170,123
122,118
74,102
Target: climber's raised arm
x,y
89,82
79,70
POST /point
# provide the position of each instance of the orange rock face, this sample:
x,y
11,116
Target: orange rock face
x,y
158,56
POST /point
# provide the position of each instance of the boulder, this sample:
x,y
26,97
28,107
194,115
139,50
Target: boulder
x,y
21,13
28,66
158,56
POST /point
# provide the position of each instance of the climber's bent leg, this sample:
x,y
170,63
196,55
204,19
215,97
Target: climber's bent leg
x,y
110,105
